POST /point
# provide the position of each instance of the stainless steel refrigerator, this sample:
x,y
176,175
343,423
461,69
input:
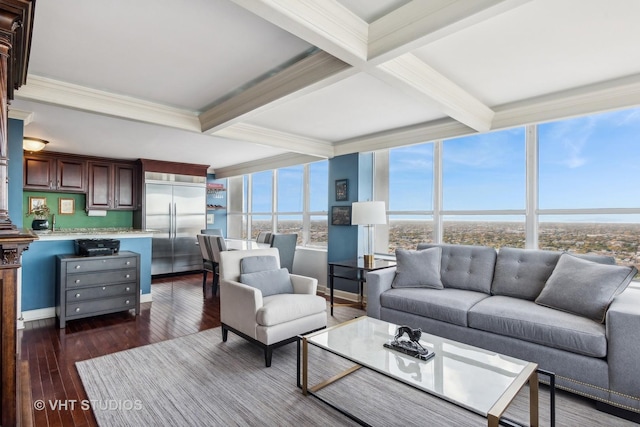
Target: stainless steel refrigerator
x,y
175,210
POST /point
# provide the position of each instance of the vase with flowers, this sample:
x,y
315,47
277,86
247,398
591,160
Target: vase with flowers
x,y
40,217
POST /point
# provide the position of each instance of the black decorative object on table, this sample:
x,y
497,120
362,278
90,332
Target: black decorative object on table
x,y
412,346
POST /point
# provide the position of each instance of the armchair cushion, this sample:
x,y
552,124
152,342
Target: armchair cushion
x,y
253,264
269,282
278,309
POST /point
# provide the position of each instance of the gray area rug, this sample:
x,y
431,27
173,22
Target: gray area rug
x,y
198,380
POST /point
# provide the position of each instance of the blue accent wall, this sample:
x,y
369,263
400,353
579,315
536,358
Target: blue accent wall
x,y
39,268
343,239
14,147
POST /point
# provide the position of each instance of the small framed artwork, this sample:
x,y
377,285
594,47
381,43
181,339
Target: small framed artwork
x,y
342,190
341,215
66,206
34,202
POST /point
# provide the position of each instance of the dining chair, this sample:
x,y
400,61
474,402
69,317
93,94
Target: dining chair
x,y
263,237
217,244
286,245
208,264
212,231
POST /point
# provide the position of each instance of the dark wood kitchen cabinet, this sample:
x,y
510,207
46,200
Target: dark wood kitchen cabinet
x,y
53,173
112,186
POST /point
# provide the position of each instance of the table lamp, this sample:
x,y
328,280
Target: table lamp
x,y
368,214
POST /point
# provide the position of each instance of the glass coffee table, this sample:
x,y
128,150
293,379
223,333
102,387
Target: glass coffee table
x,y
491,380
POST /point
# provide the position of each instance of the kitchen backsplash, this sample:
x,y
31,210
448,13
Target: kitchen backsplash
x,y
79,217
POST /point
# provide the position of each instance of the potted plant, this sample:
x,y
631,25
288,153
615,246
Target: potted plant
x,y
40,217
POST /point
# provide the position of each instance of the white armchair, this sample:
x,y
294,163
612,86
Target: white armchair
x,y
268,321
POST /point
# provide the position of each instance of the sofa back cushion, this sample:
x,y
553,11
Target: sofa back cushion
x,y
465,267
522,273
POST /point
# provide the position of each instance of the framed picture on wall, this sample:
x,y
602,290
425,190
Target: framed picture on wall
x,y
341,215
35,202
342,190
66,206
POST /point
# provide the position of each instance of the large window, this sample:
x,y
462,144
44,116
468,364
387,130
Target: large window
x,y
285,200
576,191
589,199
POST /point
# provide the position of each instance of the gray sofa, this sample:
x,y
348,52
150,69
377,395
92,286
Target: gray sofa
x,y
502,301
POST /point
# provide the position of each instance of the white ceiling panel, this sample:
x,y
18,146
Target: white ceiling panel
x,y
359,105
185,54
542,47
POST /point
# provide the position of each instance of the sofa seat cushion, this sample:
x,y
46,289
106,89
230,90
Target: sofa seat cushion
x,y
281,308
446,305
529,321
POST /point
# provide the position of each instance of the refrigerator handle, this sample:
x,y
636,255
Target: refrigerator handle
x,y
175,221
170,222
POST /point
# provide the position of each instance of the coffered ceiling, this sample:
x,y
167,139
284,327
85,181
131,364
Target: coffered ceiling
x,y
245,85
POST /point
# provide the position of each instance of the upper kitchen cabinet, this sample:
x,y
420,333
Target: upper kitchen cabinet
x,y
49,172
112,186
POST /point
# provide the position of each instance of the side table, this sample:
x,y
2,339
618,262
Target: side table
x,y
355,270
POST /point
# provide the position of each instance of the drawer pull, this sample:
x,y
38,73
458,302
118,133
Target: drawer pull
x,y
126,302
104,288
127,288
77,280
128,262
77,295
77,267
77,309
127,276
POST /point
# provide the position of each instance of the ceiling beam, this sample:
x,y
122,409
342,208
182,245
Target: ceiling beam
x,y
50,91
416,78
311,73
273,138
419,23
326,24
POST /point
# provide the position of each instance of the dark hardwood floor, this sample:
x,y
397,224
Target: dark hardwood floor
x,y
178,309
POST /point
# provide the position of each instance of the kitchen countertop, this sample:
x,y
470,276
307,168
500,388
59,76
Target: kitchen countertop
x,y
87,233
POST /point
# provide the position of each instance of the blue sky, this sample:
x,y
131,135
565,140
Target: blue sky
x,y
586,162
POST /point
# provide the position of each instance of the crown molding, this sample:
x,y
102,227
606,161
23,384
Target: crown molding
x,y
614,94
415,134
275,162
311,73
50,91
25,116
326,24
411,74
277,139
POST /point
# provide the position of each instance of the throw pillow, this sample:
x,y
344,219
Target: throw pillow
x,y
418,269
252,264
584,287
269,282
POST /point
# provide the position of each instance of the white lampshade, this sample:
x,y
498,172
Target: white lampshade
x,y
368,213
33,144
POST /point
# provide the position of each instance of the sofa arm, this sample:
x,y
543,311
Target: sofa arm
x,y
304,284
238,306
377,282
623,339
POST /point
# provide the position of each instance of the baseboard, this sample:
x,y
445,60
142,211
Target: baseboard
x,y
38,314
618,412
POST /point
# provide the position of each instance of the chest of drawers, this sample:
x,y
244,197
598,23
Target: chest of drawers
x,y
90,286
